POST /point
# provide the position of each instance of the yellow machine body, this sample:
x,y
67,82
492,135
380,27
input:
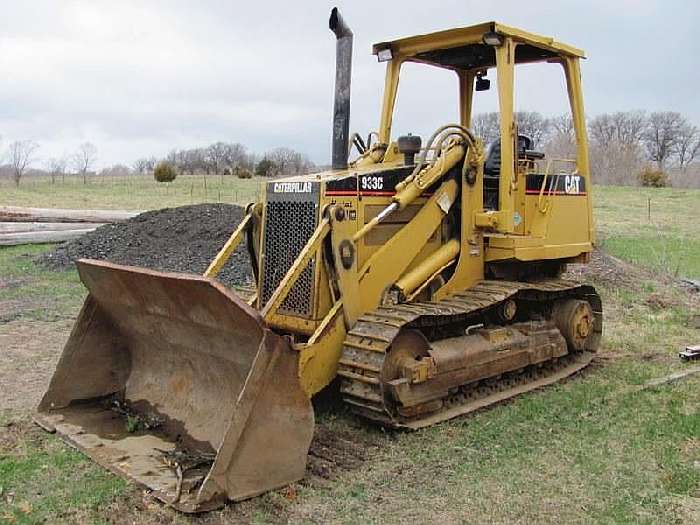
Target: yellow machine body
x,y
416,279
544,207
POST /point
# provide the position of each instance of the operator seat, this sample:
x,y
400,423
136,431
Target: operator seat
x,y
492,167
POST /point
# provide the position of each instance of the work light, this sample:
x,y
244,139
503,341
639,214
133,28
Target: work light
x,y
384,55
491,38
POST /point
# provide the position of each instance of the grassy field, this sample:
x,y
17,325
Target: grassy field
x,y
127,193
656,227
598,448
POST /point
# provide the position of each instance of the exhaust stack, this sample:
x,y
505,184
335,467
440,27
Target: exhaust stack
x,y
341,104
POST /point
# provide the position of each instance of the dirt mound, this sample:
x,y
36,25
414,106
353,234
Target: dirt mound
x,y
183,239
606,269
657,290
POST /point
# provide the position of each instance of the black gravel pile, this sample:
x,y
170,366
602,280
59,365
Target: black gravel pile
x,y
183,239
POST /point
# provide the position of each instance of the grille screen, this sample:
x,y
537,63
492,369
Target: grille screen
x,y
288,226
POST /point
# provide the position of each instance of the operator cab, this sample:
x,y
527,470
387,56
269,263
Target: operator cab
x,y
471,53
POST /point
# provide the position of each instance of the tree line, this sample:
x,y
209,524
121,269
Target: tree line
x,y
231,158
219,158
623,144
22,154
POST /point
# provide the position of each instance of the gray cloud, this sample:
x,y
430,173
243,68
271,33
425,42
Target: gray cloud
x,y
139,78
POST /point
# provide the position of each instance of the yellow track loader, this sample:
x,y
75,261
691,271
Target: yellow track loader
x,y
424,276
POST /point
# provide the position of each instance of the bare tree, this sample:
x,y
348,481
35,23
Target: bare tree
x,y
532,124
688,145
176,158
629,127
251,159
140,165
625,128
616,152
234,155
199,159
561,140
661,136
601,128
615,163
56,167
192,160
84,159
487,126
563,125
216,156
182,160
289,162
21,153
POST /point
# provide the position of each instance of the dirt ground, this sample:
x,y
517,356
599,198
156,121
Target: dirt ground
x,y
30,352
604,268
608,270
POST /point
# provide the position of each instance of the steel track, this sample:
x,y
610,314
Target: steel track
x,y
368,343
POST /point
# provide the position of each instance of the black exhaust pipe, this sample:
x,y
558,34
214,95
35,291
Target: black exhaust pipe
x,y
341,104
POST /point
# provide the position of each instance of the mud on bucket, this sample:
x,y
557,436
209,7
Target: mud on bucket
x,y
173,381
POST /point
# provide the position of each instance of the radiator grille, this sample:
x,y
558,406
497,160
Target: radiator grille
x,y
289,223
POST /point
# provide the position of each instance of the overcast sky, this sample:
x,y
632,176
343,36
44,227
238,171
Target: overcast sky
x,y
140,78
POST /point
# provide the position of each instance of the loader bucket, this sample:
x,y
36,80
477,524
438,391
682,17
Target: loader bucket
x,y
173,381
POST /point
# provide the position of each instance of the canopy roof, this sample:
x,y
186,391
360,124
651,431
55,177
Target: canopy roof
x,y
463,48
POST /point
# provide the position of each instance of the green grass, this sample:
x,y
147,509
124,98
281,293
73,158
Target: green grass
x,y
32,292
578,452
654,227
41,479
44,481
677,256
127,193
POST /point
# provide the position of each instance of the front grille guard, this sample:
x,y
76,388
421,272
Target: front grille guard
x,y
288,284
289,224
291,278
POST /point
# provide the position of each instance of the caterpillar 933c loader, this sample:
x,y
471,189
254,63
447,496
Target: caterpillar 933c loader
x,y
425,276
